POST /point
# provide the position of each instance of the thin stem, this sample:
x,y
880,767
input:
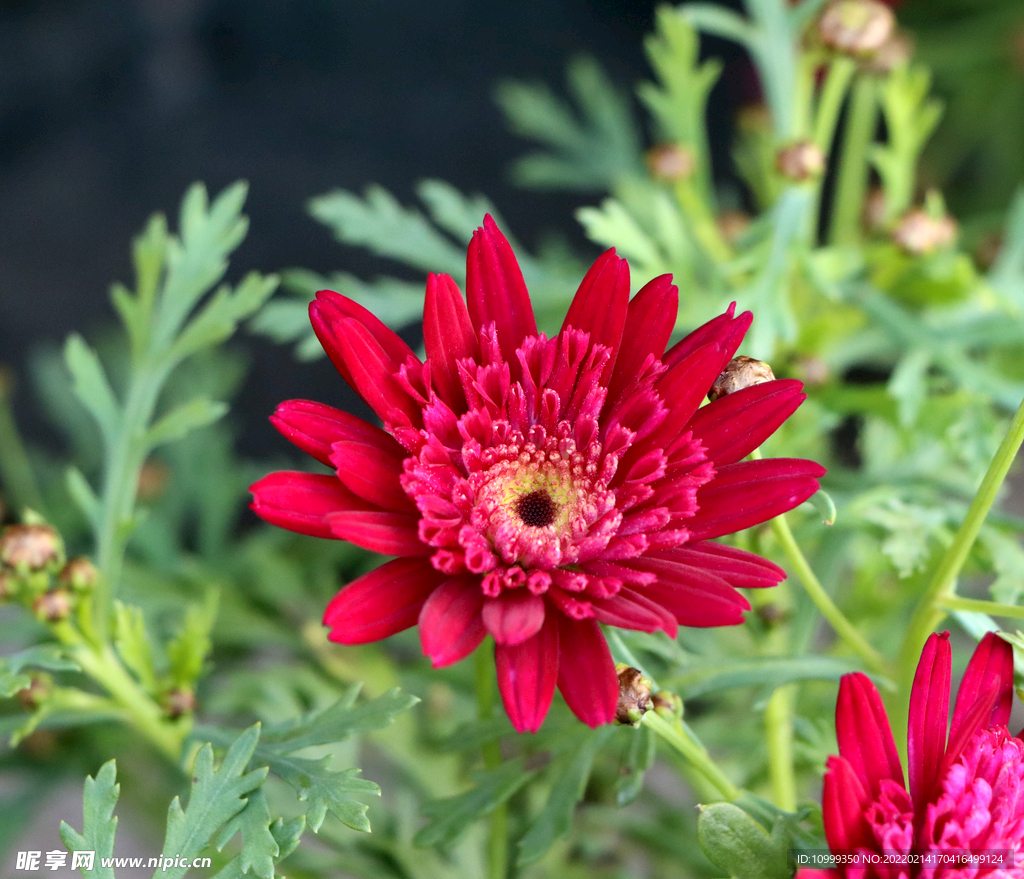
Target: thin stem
x,y
851,183
705,229
675,735
992,608
929,611
778,721
846,630
826,117
497,842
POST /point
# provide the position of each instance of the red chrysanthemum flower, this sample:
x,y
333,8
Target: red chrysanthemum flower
x,y
966,792
533,488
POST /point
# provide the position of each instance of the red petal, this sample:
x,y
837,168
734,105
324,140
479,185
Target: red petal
x,y
733,426
329,310
382,602
314,427
808,873
989,671
751,492
929,710
586,672
724,331
843,803
527,674
379,531
864,734
650,319
302,502
599,306
737,567
496,291
372,473
448,337
450,623
683,388
693,596
514,616
633,609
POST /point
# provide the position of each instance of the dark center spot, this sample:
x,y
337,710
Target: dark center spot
x,y
536,509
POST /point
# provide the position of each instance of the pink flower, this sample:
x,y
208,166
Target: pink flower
x,y
966,791
534,488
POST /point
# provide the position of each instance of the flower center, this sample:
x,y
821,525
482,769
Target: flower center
x,y
536,509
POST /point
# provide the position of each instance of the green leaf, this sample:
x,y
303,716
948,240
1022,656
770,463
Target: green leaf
x,y
766,671
259,847
82,494
720,22
217,795
736,843
184,419
449,818
133,644
454,212
555,819
98,822
639,757
189,648
50,657
91,385
322,789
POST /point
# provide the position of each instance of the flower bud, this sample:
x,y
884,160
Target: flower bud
x,y
78,574
178,701
800,161
634,695
52,606
919,233
732,224
874,212
37,692
671,162
856,27
668,705
894,52
153,478
29,548
739,373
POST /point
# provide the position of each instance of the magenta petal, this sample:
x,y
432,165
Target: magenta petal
x,y
514,616
724,331
751,492
990,670
586,672
302,502
448,337
382,602
372,474
314,427
864,734
599,306
733,426
683,388
650,319
527,673
694,597
739,568
843,804
929,710
634,609
328,312
496,291
450,623
379,531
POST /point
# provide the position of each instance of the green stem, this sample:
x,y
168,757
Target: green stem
x,y
849,633
851,183
15,469
705,229
826,117
992,608
929,613
675,735
778,721
497,843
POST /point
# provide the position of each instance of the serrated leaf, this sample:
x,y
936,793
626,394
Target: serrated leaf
x,y
555,819
449,818
456,213
736,843
189,648
217,795
50,657
98,822
323,789
259,847
91,385
133,644
184,419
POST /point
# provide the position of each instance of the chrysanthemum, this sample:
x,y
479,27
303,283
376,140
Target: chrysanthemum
x,y
966,791
534,488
